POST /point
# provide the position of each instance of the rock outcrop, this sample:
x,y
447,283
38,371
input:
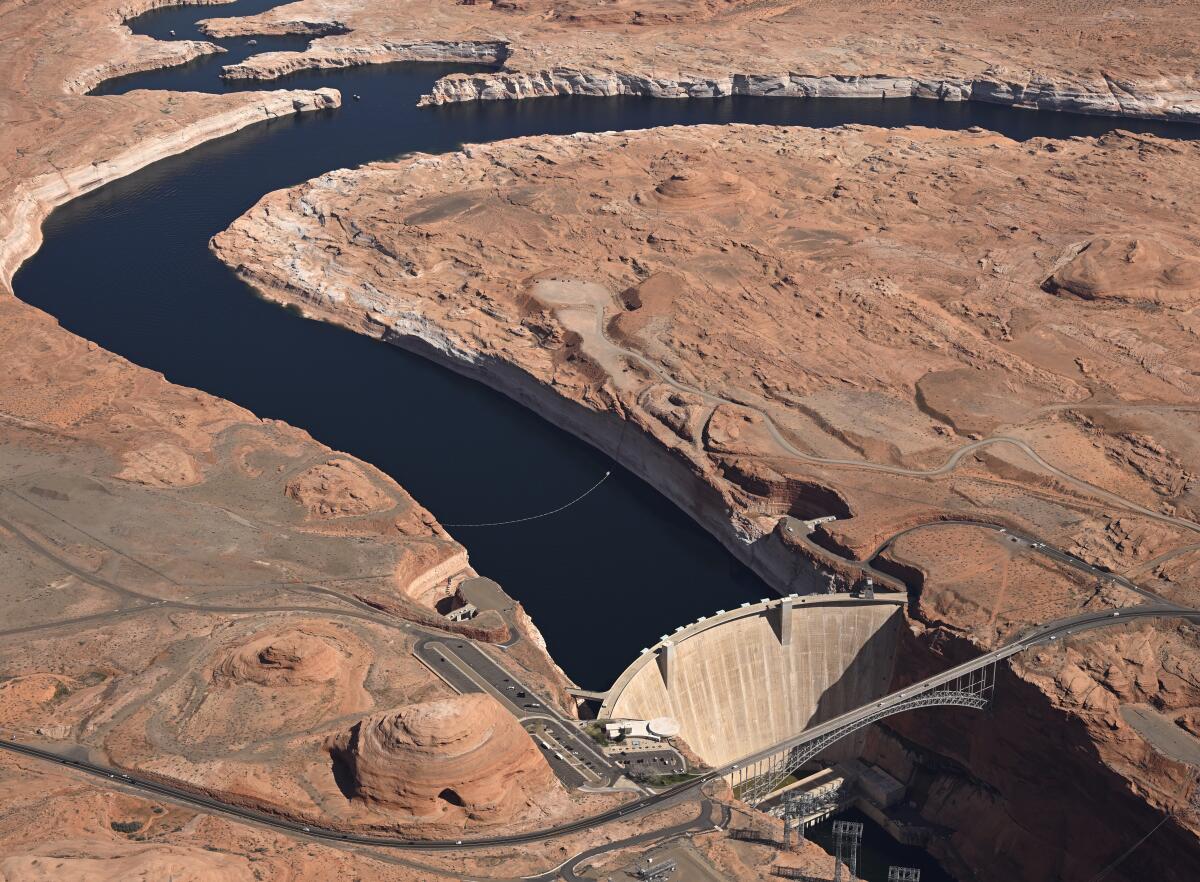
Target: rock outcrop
x,y
849,323
458,758
1137,60
337,489
1180,103
1128,269
272,65
293,657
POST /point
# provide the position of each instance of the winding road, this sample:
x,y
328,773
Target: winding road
x,y
1041,635
947,466
433,641
692,791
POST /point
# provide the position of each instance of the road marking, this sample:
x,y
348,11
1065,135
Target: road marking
x,y
471,674
474,676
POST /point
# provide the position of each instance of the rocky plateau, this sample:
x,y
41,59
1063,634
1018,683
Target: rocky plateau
x,y
929,336
170,560
898,329
1107,58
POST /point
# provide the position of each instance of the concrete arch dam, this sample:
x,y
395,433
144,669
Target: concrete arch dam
x,y
742,681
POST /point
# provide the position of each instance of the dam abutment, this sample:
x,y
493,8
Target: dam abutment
x,y
743,680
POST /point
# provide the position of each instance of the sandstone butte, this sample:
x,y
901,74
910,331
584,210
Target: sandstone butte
x,y
404,759
1133,59
124,494
247,705
902,329
125,497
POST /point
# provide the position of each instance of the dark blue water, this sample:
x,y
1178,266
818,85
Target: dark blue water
x,y
128,267
203,74
878,851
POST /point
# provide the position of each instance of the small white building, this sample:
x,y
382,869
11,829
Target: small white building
x,y
658,729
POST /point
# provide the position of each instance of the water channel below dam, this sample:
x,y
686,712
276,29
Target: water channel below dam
x,y
128,267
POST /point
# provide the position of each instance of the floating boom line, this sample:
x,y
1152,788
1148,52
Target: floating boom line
x,y
535,517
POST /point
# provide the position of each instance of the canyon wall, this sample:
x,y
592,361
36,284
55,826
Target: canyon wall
x,y
29,202
1134,60
1041,785
778,324
1179,102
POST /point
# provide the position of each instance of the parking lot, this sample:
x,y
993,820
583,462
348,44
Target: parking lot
x,y
571,754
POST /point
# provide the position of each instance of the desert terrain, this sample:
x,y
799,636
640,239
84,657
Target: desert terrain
x,y
183,597
1132,59
214,601
193,592
58,142
942,341
896,329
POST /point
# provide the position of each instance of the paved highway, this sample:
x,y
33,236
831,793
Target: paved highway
x,y
146,785
472,670
702,822
1031,543
1042,635
570,752
948,466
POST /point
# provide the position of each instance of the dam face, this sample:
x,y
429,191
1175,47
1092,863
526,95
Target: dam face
x,y
746,679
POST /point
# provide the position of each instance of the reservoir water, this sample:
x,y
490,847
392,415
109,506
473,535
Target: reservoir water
x,y
128,266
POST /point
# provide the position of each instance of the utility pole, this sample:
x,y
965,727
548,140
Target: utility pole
x,y
846,837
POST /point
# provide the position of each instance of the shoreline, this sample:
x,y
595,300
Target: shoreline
x,y
1141,100
786,560
1037,96
34,201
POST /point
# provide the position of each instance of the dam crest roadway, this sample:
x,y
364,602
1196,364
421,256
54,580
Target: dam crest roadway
x,y
770,761
171,304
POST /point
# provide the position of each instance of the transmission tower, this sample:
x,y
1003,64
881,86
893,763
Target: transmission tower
x,y
846,837
798,806
903,874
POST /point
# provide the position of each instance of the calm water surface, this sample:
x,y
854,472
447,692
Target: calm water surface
x,y
128,267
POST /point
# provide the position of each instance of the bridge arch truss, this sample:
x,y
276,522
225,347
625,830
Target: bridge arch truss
x,y
755,780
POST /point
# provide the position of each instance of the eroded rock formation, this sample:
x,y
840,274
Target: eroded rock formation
x,y
1127,269
337,489
125,494
1129,59
458,757
770,322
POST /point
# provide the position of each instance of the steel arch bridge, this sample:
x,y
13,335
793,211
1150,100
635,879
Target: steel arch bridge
x,y
756,780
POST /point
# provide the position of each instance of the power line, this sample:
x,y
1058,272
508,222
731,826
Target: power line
x,y
1129,851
